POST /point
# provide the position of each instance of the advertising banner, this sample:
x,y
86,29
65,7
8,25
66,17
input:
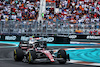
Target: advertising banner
x,y
84,37
48,39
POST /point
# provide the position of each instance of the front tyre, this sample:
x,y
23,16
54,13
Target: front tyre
x,y
62,54
31,56
18,54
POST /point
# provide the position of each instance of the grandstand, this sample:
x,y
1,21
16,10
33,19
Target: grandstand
x,y
50,17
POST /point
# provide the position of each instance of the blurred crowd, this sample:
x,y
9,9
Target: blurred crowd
x,y
77,12
19,9
82,14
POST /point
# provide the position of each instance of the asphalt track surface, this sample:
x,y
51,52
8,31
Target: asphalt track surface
x,y
6,60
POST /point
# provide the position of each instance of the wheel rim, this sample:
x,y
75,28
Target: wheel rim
x,y
60,56
29,57
15,55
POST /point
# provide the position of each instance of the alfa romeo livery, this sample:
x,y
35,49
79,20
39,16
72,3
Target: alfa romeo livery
x,y
36,50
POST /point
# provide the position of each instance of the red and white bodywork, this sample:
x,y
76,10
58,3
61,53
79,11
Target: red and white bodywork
x,y
43,51
38,48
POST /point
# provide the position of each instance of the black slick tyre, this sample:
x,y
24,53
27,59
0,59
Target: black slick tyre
x,y
62,54
18,54
31,56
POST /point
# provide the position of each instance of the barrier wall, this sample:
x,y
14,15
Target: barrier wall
x,y
85,38
93,37
49,39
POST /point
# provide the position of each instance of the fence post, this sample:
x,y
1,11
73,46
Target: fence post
x,y
52,26
46,27
1,27
57,27
9,27
36,27
42,33
68,28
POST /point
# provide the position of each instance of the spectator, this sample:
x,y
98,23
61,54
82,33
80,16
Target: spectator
x,y
77,12
19,9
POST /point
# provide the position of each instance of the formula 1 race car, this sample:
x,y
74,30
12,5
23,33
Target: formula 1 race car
x,y
38,52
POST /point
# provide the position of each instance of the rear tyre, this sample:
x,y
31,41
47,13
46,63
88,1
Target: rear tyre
x,y
62,54
31,56
18,54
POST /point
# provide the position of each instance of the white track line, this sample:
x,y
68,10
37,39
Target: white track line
x,y
84,63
